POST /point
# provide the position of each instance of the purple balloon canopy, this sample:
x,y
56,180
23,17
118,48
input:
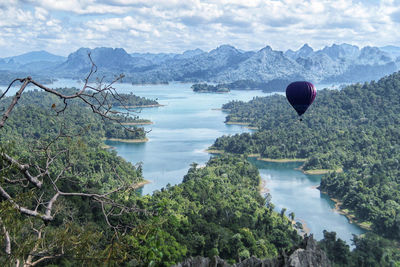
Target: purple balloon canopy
x,y
300,95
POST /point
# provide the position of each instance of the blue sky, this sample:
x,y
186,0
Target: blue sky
x,y
63,26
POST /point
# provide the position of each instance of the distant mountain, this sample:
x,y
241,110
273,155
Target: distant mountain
x,y
160,58
224,64
32,62
189,54
7,76
341,52
304,51
393,51
36,56
154,58
336,63
110,59
262,66
193,66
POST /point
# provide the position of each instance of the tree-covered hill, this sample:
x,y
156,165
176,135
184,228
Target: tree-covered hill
x,y
36,117
217,210
355,129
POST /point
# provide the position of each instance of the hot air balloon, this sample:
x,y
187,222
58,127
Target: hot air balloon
x,y
300,95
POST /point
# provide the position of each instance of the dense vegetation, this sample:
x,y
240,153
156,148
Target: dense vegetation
x,y
208,88
68,147
36,117
132,101
217,210
355,129
370,250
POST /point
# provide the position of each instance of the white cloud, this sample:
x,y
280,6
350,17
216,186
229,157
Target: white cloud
x,y
41,13
173,26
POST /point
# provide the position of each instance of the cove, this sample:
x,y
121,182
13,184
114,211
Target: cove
x,y
296,192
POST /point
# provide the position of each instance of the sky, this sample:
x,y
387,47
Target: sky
x,y
173,26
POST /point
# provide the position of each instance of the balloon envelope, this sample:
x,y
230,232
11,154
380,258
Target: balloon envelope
x,y
300,95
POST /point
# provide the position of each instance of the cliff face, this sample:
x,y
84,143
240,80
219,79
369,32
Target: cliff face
x,y
307,255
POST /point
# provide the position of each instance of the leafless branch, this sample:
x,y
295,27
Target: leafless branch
x,y
7,240
14,101
24,169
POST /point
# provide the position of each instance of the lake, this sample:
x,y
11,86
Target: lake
x,y
188,124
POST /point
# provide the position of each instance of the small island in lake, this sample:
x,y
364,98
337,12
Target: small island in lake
x,y
208,88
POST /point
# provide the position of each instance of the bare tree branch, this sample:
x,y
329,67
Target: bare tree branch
x,y
24,169
7,240
17,96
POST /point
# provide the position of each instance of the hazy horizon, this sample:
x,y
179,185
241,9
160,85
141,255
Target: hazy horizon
x,y
61,27
194,48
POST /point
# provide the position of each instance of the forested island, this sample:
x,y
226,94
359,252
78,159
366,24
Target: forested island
x,y
208,88
134,101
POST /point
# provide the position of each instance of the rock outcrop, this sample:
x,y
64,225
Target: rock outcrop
x,y
308,254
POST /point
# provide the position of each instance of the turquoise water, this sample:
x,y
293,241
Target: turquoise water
x,y
183,129
188,124
297,192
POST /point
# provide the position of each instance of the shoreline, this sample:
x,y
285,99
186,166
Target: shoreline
x,y
320,171
212,92
142,106
140,184
257,155
221,109
214,151
244,124
263,189
237,123
144,140
104,146
280,160
137,123
350,216
305,230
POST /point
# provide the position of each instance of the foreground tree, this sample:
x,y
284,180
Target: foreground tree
x,y
49,199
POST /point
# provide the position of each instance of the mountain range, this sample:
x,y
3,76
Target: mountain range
x,y
336,63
